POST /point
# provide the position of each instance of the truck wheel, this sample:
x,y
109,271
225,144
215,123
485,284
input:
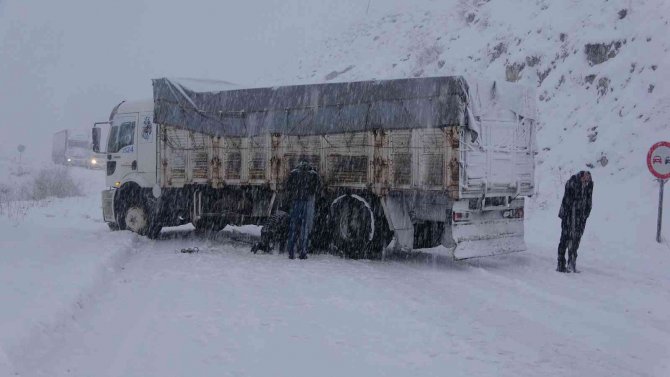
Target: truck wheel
x,y
113,226
354,229
136,218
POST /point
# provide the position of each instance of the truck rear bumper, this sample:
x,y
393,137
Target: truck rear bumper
x,y
486,248
108,205
467,232
489,232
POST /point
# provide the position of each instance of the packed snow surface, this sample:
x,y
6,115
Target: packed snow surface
x,y
79,300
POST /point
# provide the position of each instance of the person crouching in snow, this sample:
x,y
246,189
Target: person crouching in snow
x,y
302,186
575,209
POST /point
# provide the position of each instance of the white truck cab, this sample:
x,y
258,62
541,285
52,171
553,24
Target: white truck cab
x,y
130,162
131,145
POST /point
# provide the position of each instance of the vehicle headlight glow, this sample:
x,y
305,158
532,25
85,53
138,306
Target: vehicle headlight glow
x,y
94,161
69,160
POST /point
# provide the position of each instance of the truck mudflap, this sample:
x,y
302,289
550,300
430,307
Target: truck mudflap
x,y
108,206
490,247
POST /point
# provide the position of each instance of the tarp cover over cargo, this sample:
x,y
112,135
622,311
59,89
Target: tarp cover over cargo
x,y
430,102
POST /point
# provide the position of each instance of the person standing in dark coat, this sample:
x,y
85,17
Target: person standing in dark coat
x,y
575,209
302,186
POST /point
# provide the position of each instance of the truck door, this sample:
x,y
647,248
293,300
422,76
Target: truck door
x,y
500,162
146,147
121,149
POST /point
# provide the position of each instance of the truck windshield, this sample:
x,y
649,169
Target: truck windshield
x,y
78,144
121,136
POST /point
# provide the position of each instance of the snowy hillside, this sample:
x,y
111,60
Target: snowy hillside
x,y
599,66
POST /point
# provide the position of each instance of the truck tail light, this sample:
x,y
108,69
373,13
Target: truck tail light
x,y
516,213
460,216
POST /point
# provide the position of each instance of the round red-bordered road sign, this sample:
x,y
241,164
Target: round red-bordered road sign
x,y
658,160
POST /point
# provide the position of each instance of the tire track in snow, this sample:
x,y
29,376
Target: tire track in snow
x,y
43,340
486,316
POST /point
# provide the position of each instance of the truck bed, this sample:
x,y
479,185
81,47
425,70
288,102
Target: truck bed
x,y
468,138
425,159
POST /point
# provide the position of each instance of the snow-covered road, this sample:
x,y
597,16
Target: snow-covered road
x,y
84,301
225,311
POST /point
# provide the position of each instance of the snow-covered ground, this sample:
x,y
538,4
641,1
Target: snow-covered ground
x,y
79,300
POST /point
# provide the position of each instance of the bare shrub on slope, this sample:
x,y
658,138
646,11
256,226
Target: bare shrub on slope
x,y
56,181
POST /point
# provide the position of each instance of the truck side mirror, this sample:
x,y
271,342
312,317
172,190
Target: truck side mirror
x,y
96,139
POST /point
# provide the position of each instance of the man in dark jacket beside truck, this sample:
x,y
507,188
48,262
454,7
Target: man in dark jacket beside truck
x,y
575,209
302,186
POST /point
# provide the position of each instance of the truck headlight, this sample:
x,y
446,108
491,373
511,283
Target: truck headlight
x,y
94,161
69,160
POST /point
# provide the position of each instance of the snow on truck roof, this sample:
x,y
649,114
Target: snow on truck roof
x,y
138,106
224,109
199,85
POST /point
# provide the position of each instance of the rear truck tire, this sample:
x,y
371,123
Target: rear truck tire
x,y
359,229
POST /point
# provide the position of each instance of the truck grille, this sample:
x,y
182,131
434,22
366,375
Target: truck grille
x,y
292,160
198,160
401,154
233,165
200,165
402,169
257,166
178,164
348,169
433,170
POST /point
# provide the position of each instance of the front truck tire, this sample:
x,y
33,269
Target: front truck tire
x,y
135,213
359,227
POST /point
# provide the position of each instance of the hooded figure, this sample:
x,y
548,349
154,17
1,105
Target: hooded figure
x,y
302,186
575,209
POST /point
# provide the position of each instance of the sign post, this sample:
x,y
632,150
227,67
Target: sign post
x,y
658,162
660,210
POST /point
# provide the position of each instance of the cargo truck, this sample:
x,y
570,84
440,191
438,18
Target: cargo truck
x,y
405,164
72,148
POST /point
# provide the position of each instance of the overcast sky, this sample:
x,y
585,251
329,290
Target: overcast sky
x,y
65,64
